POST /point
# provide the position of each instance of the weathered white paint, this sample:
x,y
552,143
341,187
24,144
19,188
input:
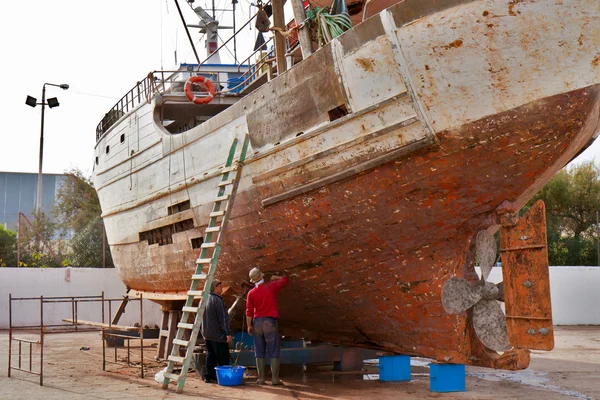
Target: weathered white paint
x,y
35,282
574,292
485,57
447,69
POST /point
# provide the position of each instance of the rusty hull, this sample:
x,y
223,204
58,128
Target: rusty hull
x,y
371,213
367,256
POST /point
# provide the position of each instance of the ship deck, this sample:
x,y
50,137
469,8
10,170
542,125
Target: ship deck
x,y
571,370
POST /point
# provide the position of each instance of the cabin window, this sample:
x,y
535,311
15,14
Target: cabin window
x,y
164,234
179,207
96,160
122,138
107,149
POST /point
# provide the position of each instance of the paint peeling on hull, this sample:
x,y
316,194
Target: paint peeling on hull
x,y
452,109
368,255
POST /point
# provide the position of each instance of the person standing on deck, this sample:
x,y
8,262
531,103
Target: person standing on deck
x,y
262,313
216,332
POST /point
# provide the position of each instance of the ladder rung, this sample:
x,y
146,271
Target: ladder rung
x,y
209,245
204,261
190,309
176,359
186,326
198,277
225,183
213,229
173,377
217,213
181,342
222,198
195,293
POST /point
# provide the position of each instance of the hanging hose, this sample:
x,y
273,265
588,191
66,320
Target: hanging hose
x,y
330,22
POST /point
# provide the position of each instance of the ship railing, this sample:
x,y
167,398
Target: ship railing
x,y
263,64
157,82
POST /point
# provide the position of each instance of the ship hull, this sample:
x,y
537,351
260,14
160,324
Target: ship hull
x,y
371,212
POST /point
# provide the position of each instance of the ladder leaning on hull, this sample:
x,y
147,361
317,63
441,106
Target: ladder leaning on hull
x,y
221,209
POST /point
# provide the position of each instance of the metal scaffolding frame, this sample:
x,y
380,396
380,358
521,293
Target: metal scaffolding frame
x,y
73,325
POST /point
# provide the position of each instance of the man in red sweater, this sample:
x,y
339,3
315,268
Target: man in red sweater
x,y
262,313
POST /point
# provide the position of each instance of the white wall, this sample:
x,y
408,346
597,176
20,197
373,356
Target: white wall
x,y
575,294
36,282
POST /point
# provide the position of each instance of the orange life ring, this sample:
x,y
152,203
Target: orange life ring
x,y
199,100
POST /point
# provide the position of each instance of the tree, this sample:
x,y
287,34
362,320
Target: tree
x,y
40,247
572,199
8,248
78,211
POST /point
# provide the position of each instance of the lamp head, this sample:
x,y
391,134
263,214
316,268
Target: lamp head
x,y
53,102
31,101
64,86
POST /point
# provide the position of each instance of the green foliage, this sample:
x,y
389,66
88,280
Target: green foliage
x,y
77,211
8,248
39,246
572,200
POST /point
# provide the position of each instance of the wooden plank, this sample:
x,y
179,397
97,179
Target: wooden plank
x,y
279,22
161,296
304,31
103,325
332,150
372,163
120,310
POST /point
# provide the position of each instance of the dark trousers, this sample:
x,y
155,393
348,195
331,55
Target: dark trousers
x,y
217,355
266,337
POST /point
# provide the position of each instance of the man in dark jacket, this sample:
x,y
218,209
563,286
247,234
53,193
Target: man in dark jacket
x,y
216,332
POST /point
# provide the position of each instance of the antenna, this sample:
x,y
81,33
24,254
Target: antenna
x,y
210,26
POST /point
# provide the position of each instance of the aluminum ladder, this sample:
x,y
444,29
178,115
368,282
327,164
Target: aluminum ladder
x,y
206,266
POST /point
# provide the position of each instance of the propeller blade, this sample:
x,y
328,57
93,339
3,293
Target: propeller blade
x,y
500,287
490,325
486,248
459,295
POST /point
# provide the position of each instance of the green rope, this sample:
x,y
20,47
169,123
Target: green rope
x,y
328,26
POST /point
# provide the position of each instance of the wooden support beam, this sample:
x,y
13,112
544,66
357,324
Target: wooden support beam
x,y
120,311
279,22
303,32
104,325
168,332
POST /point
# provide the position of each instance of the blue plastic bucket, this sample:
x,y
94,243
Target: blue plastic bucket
x,y
230,375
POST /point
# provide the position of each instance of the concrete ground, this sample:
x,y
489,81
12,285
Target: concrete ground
x,y
571,370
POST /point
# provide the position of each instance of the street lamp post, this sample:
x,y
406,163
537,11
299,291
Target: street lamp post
x,y
53,102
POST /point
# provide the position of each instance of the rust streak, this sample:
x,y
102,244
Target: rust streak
x,y
366,63
455,44
511,7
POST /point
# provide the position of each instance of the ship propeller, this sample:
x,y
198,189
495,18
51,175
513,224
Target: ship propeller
x,y
458,295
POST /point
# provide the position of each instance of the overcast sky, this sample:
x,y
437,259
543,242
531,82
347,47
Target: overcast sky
x,y
101,49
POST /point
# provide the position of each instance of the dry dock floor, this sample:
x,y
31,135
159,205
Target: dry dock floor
x,y
570,371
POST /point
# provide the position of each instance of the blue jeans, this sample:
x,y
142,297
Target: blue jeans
x,y
266,337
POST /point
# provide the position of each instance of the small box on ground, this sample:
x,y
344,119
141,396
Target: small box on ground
x,y
447,378
394,368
